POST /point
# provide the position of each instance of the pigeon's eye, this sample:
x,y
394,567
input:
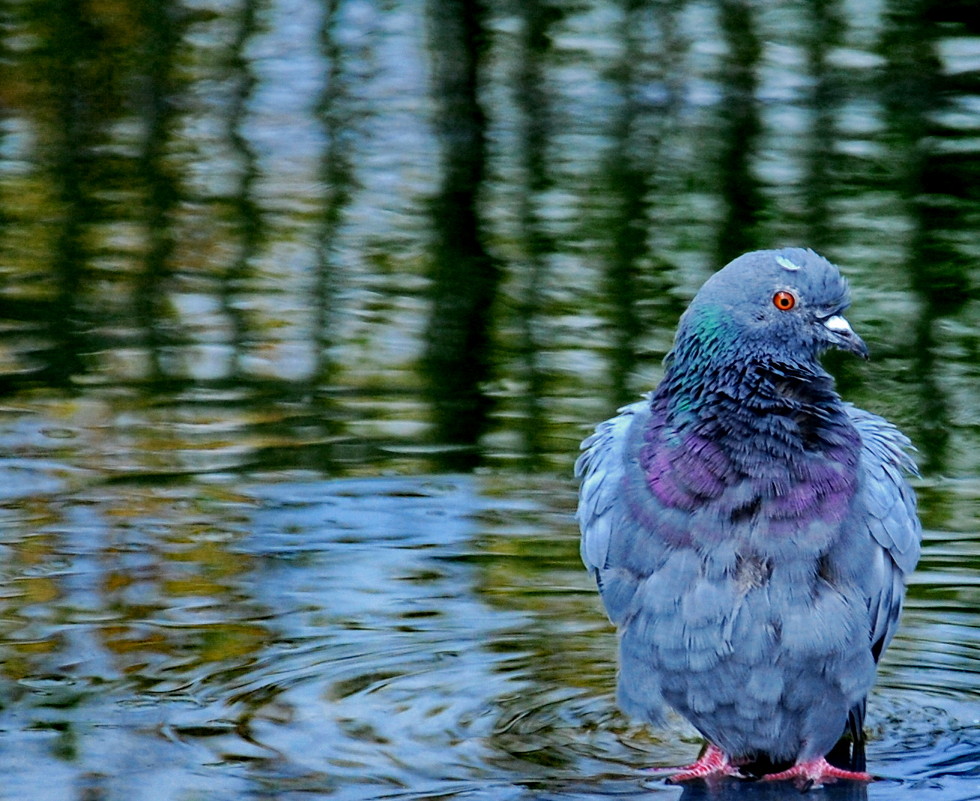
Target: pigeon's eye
x,y
783,300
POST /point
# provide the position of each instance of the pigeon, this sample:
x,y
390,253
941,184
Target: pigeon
x,y
751,533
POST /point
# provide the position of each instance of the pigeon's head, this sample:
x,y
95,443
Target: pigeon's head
x,y
779,305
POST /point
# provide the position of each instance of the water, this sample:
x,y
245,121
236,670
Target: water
x,y
399,637
273,528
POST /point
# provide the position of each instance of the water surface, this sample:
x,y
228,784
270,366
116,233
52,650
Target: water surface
x,y
305,308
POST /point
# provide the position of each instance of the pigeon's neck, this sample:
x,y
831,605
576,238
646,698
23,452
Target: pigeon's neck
x,y
794,402
757,439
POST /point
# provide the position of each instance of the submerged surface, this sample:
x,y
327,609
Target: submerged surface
x,y
305,309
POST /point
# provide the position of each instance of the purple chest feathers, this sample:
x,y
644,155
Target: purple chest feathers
x,y
753,477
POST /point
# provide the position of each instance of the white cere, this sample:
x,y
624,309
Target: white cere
x,y
838,324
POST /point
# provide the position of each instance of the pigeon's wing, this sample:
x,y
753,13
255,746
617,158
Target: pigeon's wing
x,y
622,546
885,513
625,529
601,468
620,519
880,550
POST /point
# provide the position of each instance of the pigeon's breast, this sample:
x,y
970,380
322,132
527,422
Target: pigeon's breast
x,y
731,617
752,489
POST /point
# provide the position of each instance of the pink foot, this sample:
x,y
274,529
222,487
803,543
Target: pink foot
x,y
712,763
817,772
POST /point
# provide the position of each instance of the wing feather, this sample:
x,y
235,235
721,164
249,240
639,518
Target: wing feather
x,y
602,470
885,511
617,546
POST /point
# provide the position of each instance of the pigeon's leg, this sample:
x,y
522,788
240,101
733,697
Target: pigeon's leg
x,y
818,771
713,762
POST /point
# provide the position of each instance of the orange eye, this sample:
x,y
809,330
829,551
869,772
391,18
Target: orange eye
x,y
783,300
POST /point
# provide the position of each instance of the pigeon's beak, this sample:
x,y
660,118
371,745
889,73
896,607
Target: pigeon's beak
x,y
843,336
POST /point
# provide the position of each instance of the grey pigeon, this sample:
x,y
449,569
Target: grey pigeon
x,y
751,533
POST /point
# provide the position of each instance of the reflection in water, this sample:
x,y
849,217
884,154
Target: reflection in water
x,y
169,230
824,30
538,18
464,275
336,179
156,54
935,181
637,196
75,104
628,170
248,222
728,790
739,132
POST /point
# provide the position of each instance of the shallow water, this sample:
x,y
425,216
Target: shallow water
x,y
269,530
393,637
